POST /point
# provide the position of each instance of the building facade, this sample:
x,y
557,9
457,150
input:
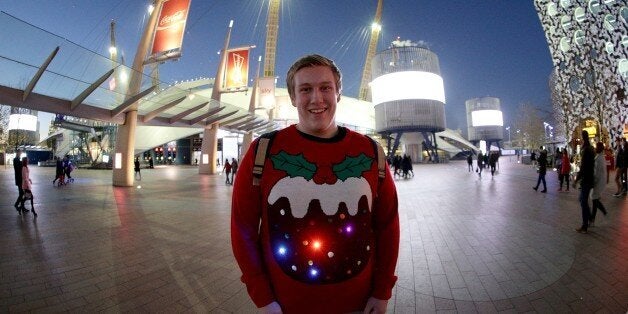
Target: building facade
x,y
588,40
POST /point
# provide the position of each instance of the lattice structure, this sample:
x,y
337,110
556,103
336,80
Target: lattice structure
x,y
272,32
588,40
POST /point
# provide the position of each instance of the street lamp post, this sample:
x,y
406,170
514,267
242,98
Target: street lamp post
x,y
509,142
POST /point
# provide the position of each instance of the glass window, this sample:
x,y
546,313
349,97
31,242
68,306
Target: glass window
x,y
594,6
610,22
564,44
623,14
593,53
565,4
551,9
623,67
565,22
578,37
578,14
609,47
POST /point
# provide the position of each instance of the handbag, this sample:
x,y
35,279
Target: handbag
x,y
28,194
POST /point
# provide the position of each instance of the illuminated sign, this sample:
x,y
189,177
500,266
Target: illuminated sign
x,y
407,85
237,72
266,89
22,122
169,32
487,118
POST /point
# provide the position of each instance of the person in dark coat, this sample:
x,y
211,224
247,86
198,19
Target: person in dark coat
x,y
492,161
17,168
470,162
586,179
542,162
480,164
136,168
59,173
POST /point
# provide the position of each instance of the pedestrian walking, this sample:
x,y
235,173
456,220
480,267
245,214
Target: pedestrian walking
x,y
542,170
234,169
59,173
586,178
480,164
470,162
17,169
27,187
227,170
564,172
136,167
599,182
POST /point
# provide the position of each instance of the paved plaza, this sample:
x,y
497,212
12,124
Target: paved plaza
x,y
467,245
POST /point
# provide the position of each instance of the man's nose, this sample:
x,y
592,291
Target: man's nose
x,y
317,96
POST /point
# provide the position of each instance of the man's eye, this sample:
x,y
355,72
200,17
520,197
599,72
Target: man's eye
x,y
304,89
326,88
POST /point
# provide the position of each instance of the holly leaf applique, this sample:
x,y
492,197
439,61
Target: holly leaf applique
x,y
294,165
352,167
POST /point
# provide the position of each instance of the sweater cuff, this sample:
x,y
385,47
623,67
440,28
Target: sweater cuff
x,y
260,291
383,290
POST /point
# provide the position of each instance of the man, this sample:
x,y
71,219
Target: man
x,y
586,178
470,162
234,169
480,164
136,168
17,168
542,162
328,239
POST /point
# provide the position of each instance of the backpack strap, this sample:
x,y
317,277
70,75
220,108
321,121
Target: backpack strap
x,y
261,152
381,159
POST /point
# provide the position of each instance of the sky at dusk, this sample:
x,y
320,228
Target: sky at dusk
x,y
485,48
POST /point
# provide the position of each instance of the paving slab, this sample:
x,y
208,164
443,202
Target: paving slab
x,y
468,244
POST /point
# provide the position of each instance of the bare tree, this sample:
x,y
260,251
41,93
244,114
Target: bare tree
x,y
5,111
530,125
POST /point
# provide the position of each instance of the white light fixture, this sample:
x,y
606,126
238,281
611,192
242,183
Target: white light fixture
x,y
118,161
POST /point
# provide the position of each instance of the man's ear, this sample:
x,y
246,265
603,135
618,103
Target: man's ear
x,y
338,99
293,102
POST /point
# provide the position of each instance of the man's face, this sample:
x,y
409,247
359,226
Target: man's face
x,y
316,96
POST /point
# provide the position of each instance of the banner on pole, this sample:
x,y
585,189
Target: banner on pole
x,y
237,72
169,31
266,92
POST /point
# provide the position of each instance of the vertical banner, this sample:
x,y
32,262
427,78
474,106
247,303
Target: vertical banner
x,y
266,91
169,32
237,72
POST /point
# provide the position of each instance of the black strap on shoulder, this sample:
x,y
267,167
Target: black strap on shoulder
x,y
380,156
261,153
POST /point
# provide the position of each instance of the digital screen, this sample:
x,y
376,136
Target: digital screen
x,y
23,122
487,118
407,85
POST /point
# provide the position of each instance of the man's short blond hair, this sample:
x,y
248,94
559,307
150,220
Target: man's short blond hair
x,y
312,61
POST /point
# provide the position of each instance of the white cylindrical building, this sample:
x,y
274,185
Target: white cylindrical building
x,y
407,90
484,119
23,126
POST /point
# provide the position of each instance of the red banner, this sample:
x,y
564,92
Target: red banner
x,y
169,31
237,72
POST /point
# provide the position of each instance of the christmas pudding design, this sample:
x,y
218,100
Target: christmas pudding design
x,y
320,231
